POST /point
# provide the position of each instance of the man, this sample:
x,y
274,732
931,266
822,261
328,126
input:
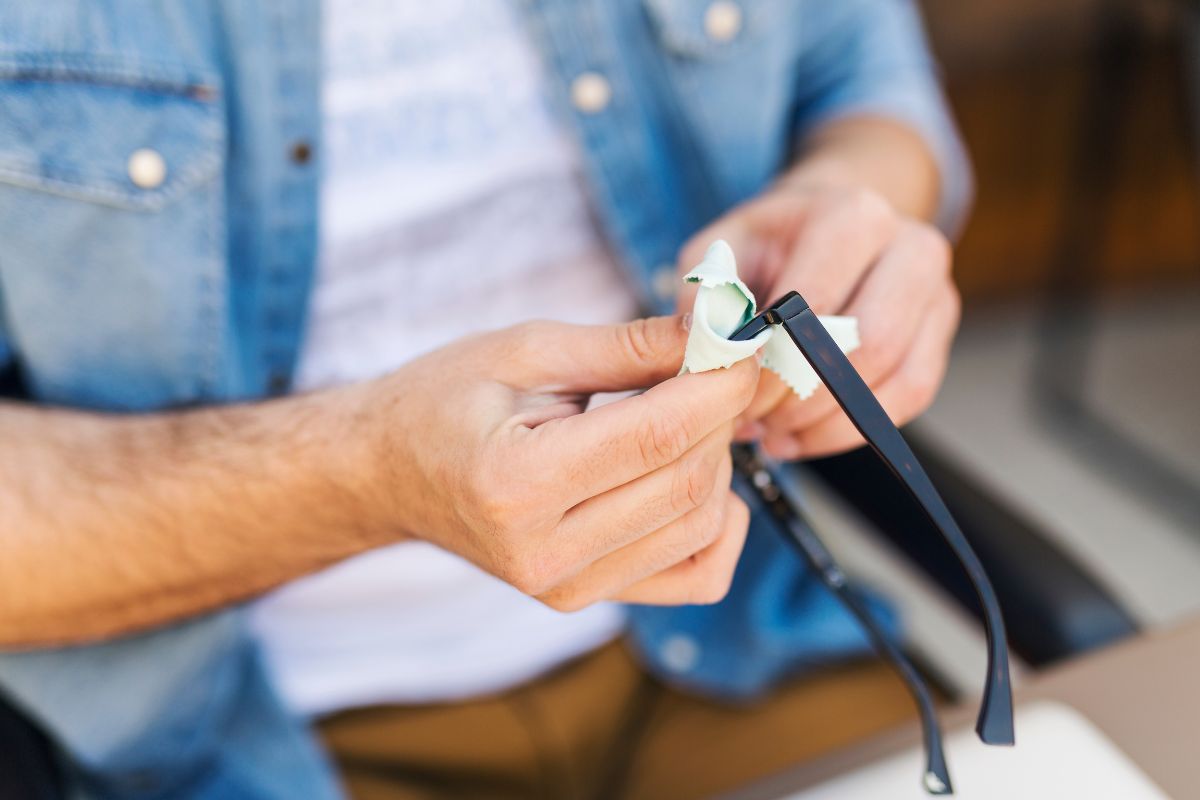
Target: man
x,y
231,406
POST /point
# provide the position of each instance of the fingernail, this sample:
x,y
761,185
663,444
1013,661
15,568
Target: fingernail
x,y
749,432
686,321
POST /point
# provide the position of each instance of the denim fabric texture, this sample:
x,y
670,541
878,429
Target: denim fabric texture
x,y
131,294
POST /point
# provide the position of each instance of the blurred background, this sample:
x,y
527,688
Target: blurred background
x,y
1067,434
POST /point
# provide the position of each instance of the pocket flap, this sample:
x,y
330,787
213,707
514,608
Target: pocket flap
x,y
121,134
699,28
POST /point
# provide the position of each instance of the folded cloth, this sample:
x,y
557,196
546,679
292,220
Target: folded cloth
x,y
725,304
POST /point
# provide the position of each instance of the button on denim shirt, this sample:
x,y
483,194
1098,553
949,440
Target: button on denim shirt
x,y
129,288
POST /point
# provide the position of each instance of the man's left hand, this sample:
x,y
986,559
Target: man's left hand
x,y
847,251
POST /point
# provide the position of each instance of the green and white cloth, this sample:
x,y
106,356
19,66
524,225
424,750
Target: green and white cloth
x,y
724,304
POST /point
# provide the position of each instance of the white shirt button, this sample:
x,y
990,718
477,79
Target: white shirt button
x,y
723,20
590,92
147,169
680,653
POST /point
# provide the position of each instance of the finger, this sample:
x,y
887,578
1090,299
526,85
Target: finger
x,y
795,414
647,556
838,242
586,359
896,296
904,394
611,520
893,300
703,578
841,244
771,392
590,453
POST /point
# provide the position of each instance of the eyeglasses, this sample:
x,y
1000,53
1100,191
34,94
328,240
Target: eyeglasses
x,y
994,724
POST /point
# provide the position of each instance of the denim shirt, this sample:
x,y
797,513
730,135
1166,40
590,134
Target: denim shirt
x,y
132,291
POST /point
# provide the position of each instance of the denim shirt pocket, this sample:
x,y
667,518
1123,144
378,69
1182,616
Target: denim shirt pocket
x,y
112,241
708,29
73,124
731,67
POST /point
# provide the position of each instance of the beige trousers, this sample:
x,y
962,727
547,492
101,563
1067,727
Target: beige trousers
x,y
601,728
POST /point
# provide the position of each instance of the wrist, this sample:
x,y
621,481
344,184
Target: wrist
x,y
382,424
349,466
879,155
819,171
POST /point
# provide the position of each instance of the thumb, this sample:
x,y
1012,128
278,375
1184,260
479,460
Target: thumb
x,y
612,358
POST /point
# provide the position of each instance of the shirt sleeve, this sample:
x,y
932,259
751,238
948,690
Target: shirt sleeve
x,y
872,57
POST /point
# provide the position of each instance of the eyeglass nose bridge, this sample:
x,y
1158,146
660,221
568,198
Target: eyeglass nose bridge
x,y
790,305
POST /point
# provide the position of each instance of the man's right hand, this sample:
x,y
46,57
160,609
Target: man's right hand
x,y
484,449
110,524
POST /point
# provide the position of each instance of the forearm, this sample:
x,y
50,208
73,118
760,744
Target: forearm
x,y
109,524
875,153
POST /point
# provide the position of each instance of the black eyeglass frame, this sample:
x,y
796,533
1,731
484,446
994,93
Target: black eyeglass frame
x,y
765,480
994,724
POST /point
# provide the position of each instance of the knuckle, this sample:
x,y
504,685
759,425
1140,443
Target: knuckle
x,y
663,439
529,572
501,502
493,503
694,483
829,208
868,207
932,246
565,600
705,526
511,533
508,566
482,492
639,339
699,529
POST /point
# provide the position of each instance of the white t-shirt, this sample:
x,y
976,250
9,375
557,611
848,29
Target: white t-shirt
x,y
447,183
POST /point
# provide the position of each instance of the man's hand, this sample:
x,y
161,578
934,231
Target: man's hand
x,y
848,252
113,523
492,456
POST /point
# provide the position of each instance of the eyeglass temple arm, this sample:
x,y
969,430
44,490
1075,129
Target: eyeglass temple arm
x,y
796,529
994,724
